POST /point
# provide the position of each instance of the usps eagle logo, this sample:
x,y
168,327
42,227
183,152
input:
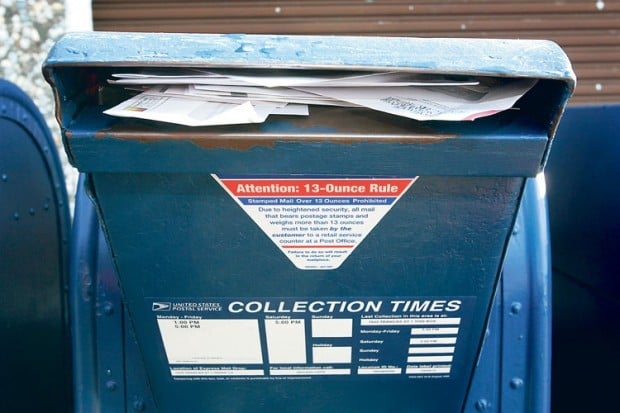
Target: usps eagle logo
x,y
159,306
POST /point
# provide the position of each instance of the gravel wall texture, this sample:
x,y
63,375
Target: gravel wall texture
x,y
28,30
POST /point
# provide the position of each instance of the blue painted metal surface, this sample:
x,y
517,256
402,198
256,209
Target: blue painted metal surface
x,y
177,236
540,59
34,235
108,370
514,371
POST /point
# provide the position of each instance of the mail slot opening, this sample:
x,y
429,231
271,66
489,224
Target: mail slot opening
x,y
101,89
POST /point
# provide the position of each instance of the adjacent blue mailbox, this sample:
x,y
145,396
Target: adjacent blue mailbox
x,y
346,261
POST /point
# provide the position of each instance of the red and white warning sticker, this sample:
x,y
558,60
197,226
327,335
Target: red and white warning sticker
x,y
316,221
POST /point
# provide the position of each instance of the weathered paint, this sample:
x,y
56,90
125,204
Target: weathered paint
x,y
526,58
79,65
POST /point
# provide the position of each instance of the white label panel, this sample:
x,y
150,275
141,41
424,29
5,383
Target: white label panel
x,y
205,372
432,340
316,222
269,338
377,370
425,331
328,355
410,322
211,341
431,350
309,372
428,370
332,327
430,359
286,341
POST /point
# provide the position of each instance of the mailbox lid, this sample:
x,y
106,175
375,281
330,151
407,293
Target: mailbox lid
x,y
513,143
526,58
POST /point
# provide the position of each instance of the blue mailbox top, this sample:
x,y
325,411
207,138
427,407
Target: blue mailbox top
x,y
80,64
519,58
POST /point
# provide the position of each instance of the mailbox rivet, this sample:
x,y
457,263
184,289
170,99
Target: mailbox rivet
x,y
139,405
5,177
481,405
108,308
515,308
516,383
111,385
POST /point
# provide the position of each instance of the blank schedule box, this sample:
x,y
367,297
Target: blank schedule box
x,y
332,327
332,354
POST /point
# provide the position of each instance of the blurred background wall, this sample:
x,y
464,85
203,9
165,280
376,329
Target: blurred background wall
x,y
28,30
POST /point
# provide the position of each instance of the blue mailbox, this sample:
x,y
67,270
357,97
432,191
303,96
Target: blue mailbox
x,y
347,260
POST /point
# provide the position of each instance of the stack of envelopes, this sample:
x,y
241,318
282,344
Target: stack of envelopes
x,y
196,97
